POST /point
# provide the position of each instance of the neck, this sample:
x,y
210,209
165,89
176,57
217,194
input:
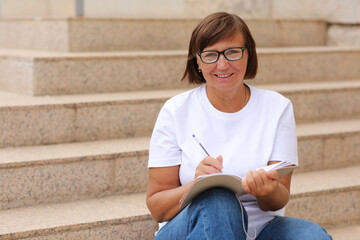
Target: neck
x,y
229,101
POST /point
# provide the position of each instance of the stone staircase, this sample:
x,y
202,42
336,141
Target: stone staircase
x,y
79,98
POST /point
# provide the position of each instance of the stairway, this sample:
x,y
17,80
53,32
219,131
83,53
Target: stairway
x,y
79,98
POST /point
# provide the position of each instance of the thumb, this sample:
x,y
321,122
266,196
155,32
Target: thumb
x,y
219,158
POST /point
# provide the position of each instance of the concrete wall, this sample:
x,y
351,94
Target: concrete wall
x,y
37,8
343,15
336,11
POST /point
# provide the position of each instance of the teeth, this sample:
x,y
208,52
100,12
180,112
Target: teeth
x,y
224,76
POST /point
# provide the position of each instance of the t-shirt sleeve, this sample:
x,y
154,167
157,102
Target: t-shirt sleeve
x,y
164,150
285,145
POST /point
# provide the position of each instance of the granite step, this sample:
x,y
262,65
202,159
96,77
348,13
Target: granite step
x,y
126,216
54,173
54,73
74,118
96,34
346,232
328,197
115,217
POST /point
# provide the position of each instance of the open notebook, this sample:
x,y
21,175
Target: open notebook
x,y
229,181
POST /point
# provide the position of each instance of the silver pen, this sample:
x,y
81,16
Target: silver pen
x,y
197,140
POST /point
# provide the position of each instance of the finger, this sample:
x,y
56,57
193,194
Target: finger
x,y
245,186
258,179
203,169
250,181
212,162
208,169
270,183
220,159
273,175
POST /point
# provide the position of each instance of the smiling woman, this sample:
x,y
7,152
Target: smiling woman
x,y
224,78
250,128
210,31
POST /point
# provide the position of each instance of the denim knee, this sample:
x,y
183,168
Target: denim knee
x,y
215,209
311,230
283,228
223,201
219,198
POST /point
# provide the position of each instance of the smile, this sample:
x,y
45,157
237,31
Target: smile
x,y
224,75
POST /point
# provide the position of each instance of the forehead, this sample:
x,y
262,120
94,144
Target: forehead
x,y
236,40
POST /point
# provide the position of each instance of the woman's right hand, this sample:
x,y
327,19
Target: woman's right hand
x,y
209,165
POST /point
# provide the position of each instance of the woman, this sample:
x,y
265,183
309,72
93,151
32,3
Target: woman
x,y
242,129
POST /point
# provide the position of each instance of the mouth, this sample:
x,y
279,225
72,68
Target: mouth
x,y
224,75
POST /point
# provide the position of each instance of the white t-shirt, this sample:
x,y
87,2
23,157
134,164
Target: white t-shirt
x,y
264,130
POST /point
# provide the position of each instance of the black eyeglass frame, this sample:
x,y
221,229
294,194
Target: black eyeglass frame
x,y
223,53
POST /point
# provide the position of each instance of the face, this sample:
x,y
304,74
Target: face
x,y
225,75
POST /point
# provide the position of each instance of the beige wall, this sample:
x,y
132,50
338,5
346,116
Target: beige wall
x,y
336,11
37,8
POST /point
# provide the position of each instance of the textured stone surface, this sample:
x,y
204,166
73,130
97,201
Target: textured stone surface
x,y
54,183
307,64
49,120
330,151
131,174
129,231
310,152
327,209
267,33
123,72
344,35
87,34
36,125
17,75
126,214
34,34
122,217
55,173
346,232
176,8
326,197
113,121
63,172
71,73
325,105
130,34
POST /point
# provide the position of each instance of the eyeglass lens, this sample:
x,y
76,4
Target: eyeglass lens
x,y
230,54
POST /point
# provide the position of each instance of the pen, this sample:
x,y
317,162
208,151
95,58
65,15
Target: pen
x,y
197,140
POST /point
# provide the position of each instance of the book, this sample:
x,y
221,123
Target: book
x,y
229,181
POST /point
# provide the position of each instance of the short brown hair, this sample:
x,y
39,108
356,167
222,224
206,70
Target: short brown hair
x,y
212,29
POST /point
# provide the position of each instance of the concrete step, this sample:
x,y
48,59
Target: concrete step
x,y
75,118
335,197
347,232
53,73
116,217
328,197
63,172
96,34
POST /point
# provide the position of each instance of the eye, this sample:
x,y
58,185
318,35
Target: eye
x,y
233,52
209,54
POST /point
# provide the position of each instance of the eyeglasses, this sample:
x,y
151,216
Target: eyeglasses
x,y
231,54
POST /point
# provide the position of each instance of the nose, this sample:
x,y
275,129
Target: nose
x,y
222,63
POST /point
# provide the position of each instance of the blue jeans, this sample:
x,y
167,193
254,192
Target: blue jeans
x,y
216,214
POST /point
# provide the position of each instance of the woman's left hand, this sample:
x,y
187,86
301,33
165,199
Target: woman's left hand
x,y
260,183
